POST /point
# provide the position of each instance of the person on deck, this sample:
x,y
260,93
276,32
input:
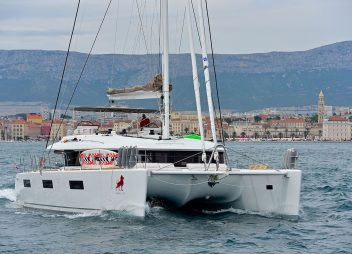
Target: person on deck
x,y
144,122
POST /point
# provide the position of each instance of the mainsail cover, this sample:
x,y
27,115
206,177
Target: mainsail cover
x,y
153,89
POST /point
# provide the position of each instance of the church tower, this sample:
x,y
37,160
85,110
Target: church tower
x,y
321,108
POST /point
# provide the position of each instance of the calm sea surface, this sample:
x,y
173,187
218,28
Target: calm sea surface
x,y
324,225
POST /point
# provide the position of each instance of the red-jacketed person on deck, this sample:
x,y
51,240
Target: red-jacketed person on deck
x,y
144,122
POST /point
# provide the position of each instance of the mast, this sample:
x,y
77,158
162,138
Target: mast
x,y
195,79
165,68
206,71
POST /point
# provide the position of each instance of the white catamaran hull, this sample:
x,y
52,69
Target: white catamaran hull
x,y
102,190
253,190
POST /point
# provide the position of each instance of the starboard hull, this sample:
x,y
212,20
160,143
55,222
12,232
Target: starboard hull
x,y
268,191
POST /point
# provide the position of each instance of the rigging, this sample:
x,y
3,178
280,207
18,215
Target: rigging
x,y
214,68
62,75
82,71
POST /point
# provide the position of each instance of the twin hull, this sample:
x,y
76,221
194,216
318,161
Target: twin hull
x,y
127,190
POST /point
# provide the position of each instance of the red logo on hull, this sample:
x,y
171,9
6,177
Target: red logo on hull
x,y
120,183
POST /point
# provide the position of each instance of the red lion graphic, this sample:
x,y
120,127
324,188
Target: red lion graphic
x,y
120,183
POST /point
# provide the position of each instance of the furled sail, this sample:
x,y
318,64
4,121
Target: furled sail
x,y
152,90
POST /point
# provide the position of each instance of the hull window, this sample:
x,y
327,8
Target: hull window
x,y
76,185
47,184
27,183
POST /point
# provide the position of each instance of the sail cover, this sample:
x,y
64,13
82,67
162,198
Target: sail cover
x,y
152,90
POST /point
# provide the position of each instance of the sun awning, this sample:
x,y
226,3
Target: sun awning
x,y
115,109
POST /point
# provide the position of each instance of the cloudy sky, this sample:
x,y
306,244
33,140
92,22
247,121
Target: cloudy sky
x,y
238,26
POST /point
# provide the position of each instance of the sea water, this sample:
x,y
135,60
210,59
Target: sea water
x,y
324,224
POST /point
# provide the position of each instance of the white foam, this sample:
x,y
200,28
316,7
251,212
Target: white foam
x,y
8,194
83,214
246,212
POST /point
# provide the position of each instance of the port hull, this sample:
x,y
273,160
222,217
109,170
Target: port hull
x,y
100,190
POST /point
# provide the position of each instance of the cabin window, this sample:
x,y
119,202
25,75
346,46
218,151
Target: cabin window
x,y
47,184
76,185
180,158
269,187
72,158
27,183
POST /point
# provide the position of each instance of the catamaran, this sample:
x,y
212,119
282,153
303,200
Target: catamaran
x,y
127,171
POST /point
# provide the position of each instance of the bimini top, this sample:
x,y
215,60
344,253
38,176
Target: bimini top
x,y
114,141
115,109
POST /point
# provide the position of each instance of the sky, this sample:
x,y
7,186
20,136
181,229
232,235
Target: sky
x,y
238,26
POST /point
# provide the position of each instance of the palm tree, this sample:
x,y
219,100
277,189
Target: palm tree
x,y
186,130
306,133
275,128
297,132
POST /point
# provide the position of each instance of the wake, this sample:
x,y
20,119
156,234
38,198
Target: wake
x,y
8,194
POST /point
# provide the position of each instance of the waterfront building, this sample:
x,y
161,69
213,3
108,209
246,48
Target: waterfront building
x,y
321,107
185,122
34,118
58,129
33,130
18,128
246,129
316,131
86,127
289,127
121,125
337,128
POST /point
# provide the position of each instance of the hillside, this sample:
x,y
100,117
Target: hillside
x,y
246,81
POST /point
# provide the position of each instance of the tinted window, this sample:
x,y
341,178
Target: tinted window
x,y
48,184
27,183
76,185
181,158
71,158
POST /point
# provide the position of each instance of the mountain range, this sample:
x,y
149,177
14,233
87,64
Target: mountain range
x,y
245,81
